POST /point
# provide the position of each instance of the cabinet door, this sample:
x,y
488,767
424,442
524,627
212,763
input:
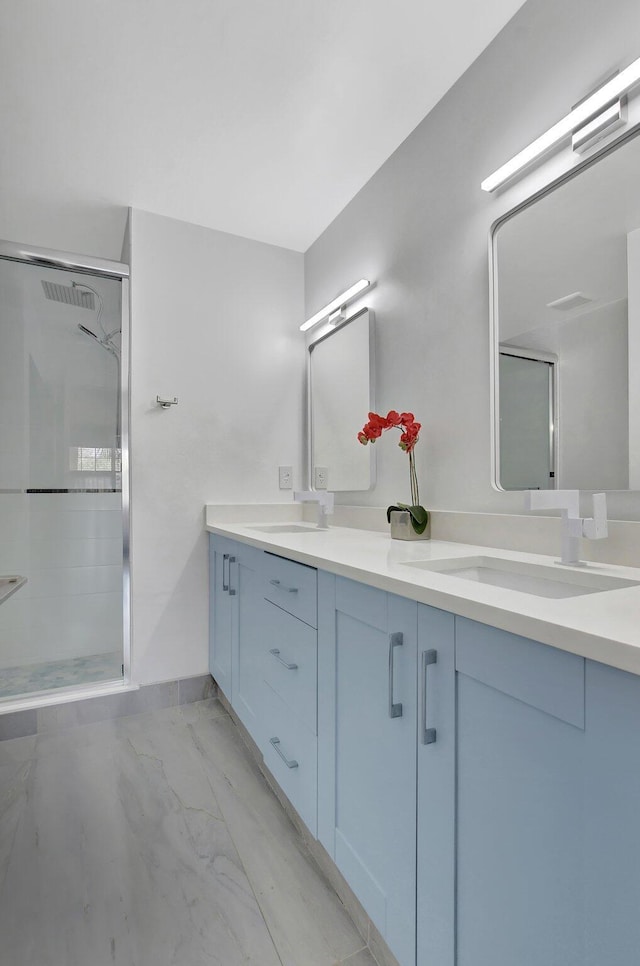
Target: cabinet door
x,y
247,588
436,788
220,607
612,803
367,736
520,801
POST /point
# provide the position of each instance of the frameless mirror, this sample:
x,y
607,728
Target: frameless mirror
x,y
566,332
340,380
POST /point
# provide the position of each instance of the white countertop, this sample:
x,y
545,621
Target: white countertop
x,y
602,626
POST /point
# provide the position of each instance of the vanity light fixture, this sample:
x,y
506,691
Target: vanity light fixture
x,y
584,115
336,304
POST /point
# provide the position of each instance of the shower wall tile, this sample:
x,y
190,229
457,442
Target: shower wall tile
x,y
86,524
75,553
14,556
74,502
34,630
72,581
14,515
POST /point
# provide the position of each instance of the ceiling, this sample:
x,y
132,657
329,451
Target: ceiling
x,y
257,117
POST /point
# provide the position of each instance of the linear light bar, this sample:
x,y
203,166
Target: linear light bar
x,y
600,99
341,300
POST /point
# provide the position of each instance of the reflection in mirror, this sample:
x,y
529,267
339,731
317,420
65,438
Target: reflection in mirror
x,y
527,407
566,331
340,371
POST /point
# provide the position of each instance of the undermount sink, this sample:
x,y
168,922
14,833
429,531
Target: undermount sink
x,y
529,578
286,528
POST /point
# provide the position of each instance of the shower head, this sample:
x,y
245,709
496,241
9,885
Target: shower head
x,y
69,295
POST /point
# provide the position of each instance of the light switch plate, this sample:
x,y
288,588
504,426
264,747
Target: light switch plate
x,y
285,475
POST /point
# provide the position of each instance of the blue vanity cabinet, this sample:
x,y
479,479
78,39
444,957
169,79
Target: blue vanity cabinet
x,y
435,673
289,669
612,817
520,804
247,579
367,750
236,625
221,551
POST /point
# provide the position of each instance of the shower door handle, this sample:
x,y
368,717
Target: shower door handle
x,y
225,585
232,592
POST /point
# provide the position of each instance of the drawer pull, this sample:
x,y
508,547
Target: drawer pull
x,y
276,654
290,763
225,583
289,590
395,640
428,734
232,592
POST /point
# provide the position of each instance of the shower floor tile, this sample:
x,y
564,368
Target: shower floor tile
x,y
27,678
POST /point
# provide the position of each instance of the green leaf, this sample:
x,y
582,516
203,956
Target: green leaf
x,y
419,516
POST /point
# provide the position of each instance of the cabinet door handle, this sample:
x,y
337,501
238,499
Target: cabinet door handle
x,y
289,590
225,584
395,640
276,654
428,734
289,762
232,592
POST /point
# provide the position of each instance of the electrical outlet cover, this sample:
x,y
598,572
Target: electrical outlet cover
x,y
320,477
285,476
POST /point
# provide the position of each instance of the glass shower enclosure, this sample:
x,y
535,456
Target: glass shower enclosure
x,y
64,601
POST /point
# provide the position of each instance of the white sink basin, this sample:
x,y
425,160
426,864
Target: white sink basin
x,y
286,528
528,578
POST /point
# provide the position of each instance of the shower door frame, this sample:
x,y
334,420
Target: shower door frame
x,y
90,265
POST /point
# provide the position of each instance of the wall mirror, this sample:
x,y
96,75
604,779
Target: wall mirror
x,y
341,393
566,331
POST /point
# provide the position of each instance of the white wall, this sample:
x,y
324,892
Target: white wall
x,y
420,229
214,322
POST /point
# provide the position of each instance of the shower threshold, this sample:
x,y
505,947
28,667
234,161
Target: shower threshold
x,y
33,679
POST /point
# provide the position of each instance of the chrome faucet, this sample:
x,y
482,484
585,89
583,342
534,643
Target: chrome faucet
x,y
324,500
574,527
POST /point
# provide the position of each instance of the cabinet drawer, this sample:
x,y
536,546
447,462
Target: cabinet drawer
x,y
291,755
293,587
292,671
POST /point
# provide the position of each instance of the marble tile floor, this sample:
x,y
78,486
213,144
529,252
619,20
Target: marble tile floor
x,y
27,678
154,840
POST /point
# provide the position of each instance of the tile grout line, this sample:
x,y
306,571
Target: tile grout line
x,y
345,962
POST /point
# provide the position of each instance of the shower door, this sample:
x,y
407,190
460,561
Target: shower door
x,y
61,507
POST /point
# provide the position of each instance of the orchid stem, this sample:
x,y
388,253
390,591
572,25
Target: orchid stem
x,y
413,479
